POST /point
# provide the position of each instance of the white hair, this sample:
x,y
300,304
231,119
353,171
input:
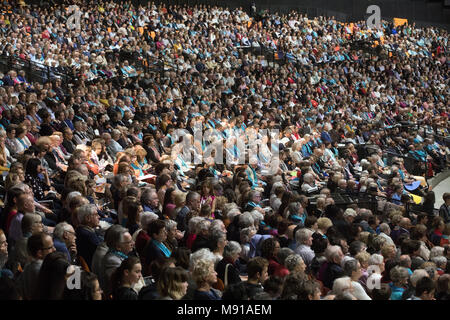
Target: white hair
x,y
376,259
257,217
202,254
148,217
340,285
440,261
303,235
60,228
417,275
436,252
193,224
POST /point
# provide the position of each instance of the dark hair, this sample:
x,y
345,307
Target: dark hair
x,y
310,221
8,289
52,277
256,265
155,227
167,278
156,266
117,276
182,255
132,212
355,247
86,291
167,200
319,243
12,194
308,288
36,243
383,293
292,288
425,284
273,286
162,180
32,166
236,291
268,248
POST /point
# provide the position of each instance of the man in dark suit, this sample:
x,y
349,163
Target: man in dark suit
x,y
87,238
68,141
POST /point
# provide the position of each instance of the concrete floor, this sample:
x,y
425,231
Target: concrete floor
x,y
439,190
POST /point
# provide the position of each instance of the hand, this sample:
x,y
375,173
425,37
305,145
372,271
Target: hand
x,y
73,249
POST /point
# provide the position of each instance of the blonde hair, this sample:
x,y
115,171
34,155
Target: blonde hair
x,y
363,257
11,180
364,237
386,249
324,223
179,198
201,270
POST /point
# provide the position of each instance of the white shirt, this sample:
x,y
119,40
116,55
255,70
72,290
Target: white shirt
x,y
359,292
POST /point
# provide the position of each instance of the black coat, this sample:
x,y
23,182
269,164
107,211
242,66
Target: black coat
x,y
233,272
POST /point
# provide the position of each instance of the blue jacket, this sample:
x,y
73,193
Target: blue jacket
x,y
60,246
87,242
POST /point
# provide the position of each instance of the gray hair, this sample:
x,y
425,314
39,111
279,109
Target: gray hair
x,y
170,224
417,275
308,177
246,220
350,266
384,227
340,285
245,234
399,273
119,178
115,235
232,248
294,207
303,235
257,217
193,224
283,253
147,217
233,213
72,195
146,194
439,261
292,261
85,210
201,254
436,252
431,270
376,259
60,228
332,252
216,226
203,225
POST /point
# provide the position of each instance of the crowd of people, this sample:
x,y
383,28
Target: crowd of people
x,y
99,183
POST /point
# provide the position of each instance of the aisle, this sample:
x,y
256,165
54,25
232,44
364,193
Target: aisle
x,y
439,190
